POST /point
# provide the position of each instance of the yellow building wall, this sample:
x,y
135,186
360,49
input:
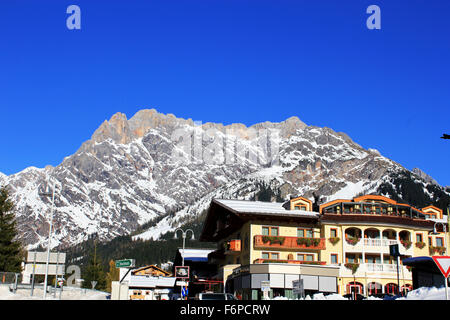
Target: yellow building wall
x,y
284,230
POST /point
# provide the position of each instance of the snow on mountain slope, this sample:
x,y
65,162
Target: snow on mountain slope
x,y
156,167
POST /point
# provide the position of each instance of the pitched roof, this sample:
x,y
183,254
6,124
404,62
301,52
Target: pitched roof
x,y
150,266
262,208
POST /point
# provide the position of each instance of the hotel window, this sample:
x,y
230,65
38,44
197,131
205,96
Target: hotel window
x,y
439,242
270,231
419,237
334,258
304,233
333,233
305,257
270,255
430,241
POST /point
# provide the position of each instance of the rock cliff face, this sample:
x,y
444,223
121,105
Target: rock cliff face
x,y
163,168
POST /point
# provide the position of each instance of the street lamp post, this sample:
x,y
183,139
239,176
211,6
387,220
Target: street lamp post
x,y
184,234
52,194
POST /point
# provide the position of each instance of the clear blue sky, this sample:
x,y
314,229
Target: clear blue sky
x,y
227,61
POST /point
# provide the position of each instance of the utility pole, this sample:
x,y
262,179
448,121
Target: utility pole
x,y
52,194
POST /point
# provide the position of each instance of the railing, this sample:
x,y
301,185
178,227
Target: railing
x,y
376,267
379,242
381,267
289,261
291,243
233,246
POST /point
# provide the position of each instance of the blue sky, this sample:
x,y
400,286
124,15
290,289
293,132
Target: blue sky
x,y
227,61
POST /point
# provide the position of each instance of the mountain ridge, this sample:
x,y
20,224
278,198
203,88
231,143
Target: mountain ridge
x,y
137,170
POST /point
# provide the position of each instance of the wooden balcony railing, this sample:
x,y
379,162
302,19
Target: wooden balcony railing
x,y
233,247
288,243
290,261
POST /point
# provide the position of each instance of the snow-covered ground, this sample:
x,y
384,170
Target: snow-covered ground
x,y
67,294
86,294
418,294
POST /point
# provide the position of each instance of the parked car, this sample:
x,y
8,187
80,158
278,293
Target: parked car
x,y
214,296
351,296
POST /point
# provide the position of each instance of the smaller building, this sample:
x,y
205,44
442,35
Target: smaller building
x,y
142,287
144,283
201,271
151,270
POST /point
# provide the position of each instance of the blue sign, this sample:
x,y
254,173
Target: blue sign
x,y
184,291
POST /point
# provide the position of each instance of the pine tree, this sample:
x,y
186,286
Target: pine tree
x,y
11,253
112,275
94,272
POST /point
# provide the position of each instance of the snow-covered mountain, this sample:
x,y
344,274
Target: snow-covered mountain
x,y
156,167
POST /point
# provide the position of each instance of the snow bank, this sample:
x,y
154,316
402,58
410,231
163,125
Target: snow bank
x,y
432,293
67,294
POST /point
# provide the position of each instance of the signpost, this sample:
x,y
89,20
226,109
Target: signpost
x,y
298,288
125,263
265,288
395,252
443,263
182,272
41,263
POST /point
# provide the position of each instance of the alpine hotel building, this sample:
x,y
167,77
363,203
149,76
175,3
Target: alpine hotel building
x,y
343,248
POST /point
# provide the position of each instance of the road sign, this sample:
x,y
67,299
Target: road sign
x,y
394,250
182,283
126,263
443,263
297,287
182,272
184,291
265,285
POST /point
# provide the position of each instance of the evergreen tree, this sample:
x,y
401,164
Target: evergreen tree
x,y
112,275
94,272
11,254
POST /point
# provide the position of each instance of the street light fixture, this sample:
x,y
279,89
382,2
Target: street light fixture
x,y
184,234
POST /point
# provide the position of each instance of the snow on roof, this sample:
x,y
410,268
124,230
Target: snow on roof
x,y
195,253
270,208
151,282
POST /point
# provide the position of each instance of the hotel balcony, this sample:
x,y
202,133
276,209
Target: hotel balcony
x,y
233,247
377,245
288,243
376,269
289,261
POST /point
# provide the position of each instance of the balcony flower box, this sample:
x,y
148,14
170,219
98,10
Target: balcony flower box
x,y
289,261
308,242
420,245
439,250
273,239
288,243
334,240
406,243
352,266
352,240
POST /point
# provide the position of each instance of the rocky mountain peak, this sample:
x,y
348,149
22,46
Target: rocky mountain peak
x,y
424,176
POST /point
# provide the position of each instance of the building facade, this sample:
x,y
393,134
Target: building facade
x,y
347,241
